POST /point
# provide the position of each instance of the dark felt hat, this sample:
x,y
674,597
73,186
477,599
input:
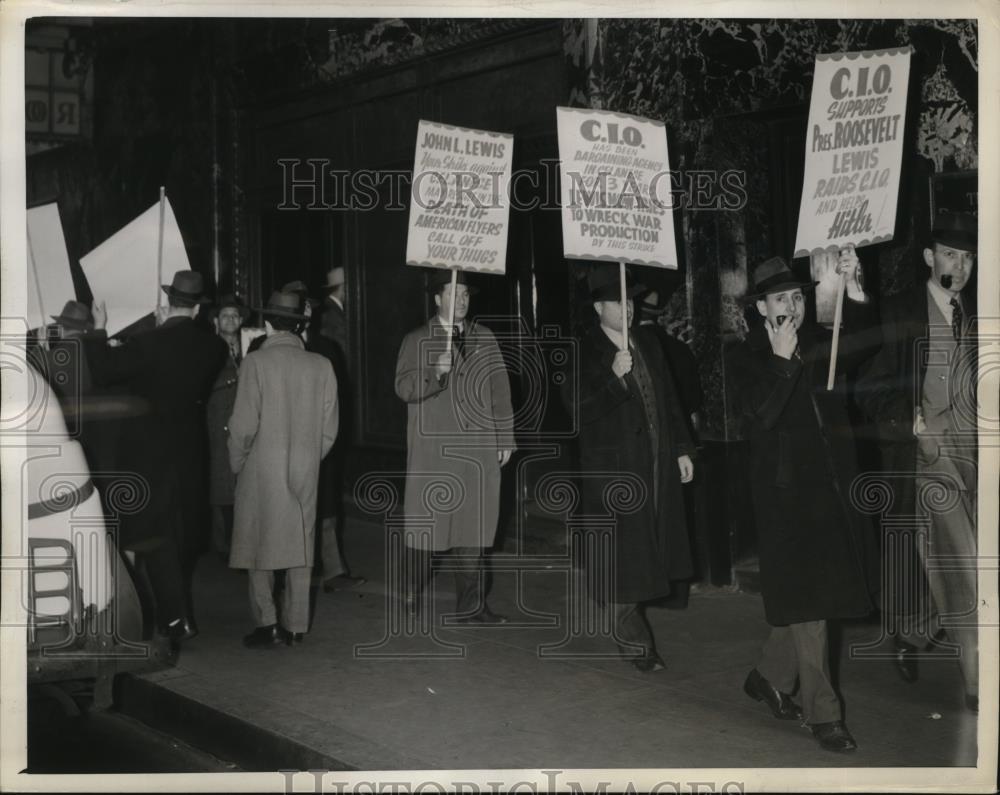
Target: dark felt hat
x,y
75,315
956,230
298,287
774,276
441,277
187,286
282,304
604,283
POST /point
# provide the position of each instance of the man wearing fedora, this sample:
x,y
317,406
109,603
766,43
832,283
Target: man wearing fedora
x,y
815,552
284,421
459,434
170,369
230,315
921,389
631,423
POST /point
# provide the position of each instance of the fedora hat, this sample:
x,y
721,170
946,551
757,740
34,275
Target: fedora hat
x,y
187,286
334,278
653,302
773,276
284,304
956,230
604,283
230,301
441,277
298,287
75,315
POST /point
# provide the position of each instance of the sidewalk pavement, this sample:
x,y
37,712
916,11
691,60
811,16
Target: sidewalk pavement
x,y
350,697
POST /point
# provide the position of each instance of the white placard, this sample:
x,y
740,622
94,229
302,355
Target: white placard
x,y
854,148
50,282
615,188
122,271
460,199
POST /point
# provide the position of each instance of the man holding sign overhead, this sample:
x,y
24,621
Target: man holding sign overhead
x,y
815,552
459,434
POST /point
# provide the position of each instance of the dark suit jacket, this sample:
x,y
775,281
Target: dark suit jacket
x,y
170,370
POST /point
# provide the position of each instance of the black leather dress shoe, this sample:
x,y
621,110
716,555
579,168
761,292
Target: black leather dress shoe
x,y
649,662
781,704
291,638
185,629
904,659
263,637
484,616
833,736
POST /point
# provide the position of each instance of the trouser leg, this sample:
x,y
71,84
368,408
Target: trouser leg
x,y
295,600
166,579
819,700
333,562
469,591
779,662
951,571
415,572
262,608
631,629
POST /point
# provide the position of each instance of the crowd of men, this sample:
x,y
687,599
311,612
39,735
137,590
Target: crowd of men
x,y
276,443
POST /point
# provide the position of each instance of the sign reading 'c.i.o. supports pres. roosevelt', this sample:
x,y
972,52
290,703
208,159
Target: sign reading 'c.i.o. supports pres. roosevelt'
x,y
854,147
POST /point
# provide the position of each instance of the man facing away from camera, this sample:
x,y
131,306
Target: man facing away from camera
x,y
284,421
816,553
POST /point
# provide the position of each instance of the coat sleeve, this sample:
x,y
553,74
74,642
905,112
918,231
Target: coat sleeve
x,y
881,391
415,383
596,392
109,365
503,410
244,422
675,414
331,412
761,392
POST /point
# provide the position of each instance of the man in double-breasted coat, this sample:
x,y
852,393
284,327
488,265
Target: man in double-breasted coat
x,y
921,389
633,440
459,434
815,552
284,421
169,370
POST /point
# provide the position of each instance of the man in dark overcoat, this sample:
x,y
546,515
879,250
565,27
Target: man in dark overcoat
x,y
921,389
814,550
459,434
171,370
632,425
229,318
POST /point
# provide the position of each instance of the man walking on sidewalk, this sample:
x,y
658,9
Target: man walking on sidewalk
x,y
631,425
459,434
284,421
814,554
921,388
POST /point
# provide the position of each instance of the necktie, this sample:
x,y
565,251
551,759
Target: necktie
x,y
957,320
459,340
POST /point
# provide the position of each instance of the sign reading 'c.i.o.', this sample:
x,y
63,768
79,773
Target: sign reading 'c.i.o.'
x,y
854,147
615,188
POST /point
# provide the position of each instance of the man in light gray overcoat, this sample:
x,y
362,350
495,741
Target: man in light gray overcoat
x,y
284,421
460,432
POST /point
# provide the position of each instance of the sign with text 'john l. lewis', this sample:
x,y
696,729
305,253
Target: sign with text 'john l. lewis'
x,y
615,188
854,147
460,200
